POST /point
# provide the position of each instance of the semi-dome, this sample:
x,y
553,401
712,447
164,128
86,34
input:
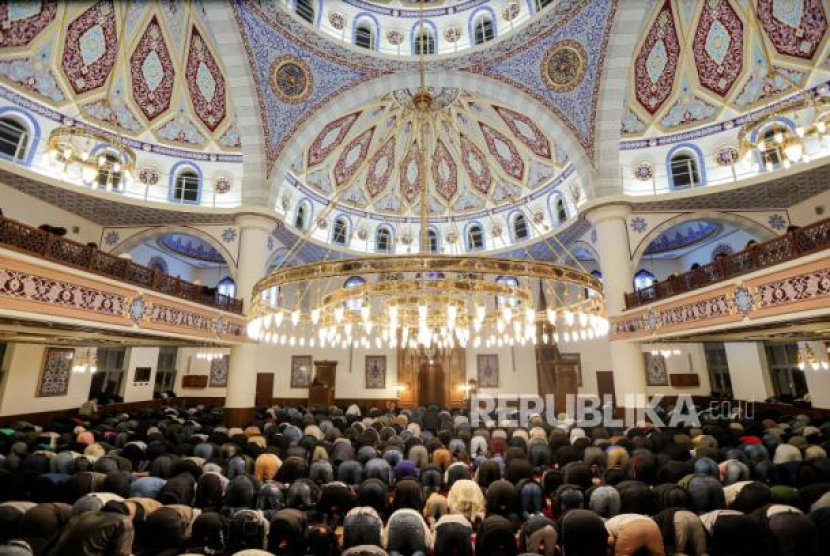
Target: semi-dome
x,y
701,62
150,71
480,155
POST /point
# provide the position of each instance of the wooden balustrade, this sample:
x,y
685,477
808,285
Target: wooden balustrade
x,y
21,237
795,244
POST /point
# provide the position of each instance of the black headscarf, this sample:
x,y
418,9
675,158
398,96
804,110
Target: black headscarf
x,y
584,534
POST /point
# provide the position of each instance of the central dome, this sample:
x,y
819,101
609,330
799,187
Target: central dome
x,y
479,155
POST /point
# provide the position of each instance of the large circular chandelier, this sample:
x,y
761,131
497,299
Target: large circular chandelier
x,y
425,300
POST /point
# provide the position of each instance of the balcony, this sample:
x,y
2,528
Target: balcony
x,y
795,244
50,247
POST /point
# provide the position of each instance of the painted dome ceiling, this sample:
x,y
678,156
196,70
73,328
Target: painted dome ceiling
x,y
708,60
480,154
146,69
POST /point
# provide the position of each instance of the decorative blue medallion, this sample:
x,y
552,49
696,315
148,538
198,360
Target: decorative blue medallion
x,y
743,300
777,222
638,224
229,235
112,238
138,309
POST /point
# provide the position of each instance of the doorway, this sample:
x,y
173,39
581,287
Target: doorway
x,y
605,386
431,384
264,389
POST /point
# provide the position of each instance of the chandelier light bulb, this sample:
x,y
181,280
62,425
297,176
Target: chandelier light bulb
x,y
569,317
295,317
315,315
551,316
278,318
481,312
530,315
507,314
338,314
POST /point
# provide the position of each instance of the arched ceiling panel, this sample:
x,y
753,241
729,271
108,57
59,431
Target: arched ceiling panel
x,y
702,61
149,70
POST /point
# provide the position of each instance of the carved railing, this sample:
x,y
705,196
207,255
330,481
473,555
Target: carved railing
x,y
795,244
51,247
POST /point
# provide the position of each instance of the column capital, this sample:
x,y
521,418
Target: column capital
x,y
255,221
608,212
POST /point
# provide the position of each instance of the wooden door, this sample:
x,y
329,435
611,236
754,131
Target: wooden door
x,y
566,384
605,386
264,389
431,385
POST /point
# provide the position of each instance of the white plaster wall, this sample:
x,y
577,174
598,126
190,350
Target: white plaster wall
x,y
807,212
737,240
175,267
595,356
188,364
23,366
748,371
140,357
818,380
517,369
34,212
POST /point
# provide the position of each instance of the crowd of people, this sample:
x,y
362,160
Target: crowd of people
x,y
303,481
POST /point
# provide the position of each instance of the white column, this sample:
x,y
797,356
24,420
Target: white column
x,y
253,258
748,371
617,275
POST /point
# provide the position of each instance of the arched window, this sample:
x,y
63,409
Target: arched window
x,y
186,187
356,303
520,229
598,275
110,172
364,35
643,279
684,170
483,29
475,238
157,263
340,233
771,146
383,240
432,240
424,41
226,286
305,9
561,210
13,138
301,216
